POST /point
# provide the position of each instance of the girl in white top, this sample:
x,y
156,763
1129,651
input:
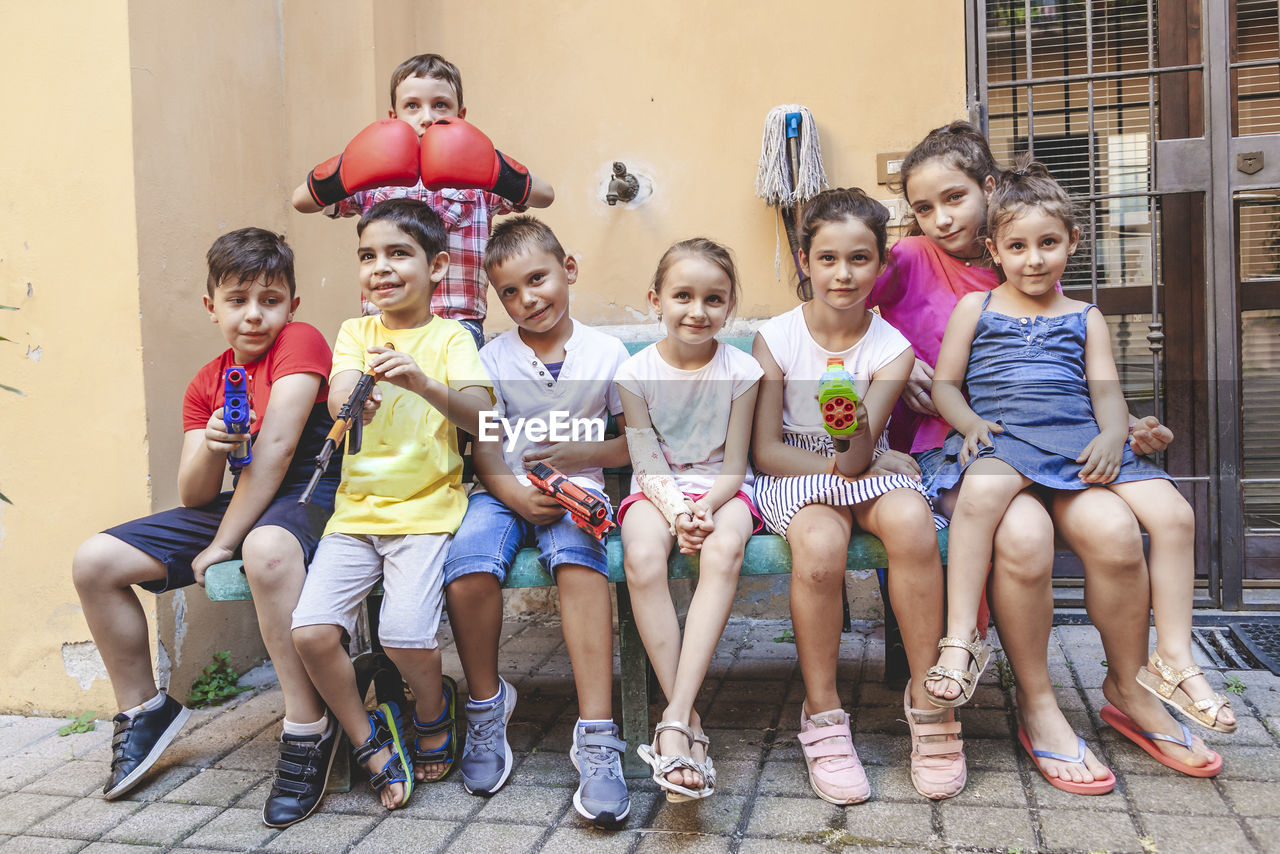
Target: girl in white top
x,y
814,495
688,401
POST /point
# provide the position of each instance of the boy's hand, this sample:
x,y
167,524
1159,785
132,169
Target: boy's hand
x,y
538,508
976,436
371,404
397,368
562,456
216,437
1149,436
1101,458
207,558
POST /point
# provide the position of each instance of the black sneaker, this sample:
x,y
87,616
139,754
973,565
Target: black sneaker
x,y
138,743
301,775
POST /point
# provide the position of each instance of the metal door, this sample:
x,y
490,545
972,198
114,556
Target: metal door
x,y
1143,110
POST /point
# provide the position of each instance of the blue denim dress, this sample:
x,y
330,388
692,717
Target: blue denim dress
x,y
1027,374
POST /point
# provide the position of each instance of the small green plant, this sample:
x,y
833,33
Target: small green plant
x,y
1004,671
787,636
217,684
1148,844
81,723
1235,685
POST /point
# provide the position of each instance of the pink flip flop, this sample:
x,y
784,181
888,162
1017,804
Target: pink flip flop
x,y
1124,725
1097,787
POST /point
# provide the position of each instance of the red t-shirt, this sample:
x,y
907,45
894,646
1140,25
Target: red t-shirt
x,y
298,349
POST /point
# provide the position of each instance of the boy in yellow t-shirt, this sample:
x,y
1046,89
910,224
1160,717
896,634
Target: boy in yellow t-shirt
x,y
400,501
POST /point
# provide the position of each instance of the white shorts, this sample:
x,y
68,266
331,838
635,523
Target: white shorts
x,y
345,568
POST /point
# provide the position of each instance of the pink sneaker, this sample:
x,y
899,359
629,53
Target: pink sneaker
x,y
937,766
835,774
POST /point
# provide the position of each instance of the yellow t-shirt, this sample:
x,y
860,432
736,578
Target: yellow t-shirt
x,y
407,478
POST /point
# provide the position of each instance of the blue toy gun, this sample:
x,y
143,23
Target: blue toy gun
x,y
235,414
838,400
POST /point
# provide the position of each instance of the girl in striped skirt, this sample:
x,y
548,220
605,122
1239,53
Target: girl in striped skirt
x,y
814,495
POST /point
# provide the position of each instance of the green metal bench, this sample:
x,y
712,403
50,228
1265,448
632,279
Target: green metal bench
x,y
766,554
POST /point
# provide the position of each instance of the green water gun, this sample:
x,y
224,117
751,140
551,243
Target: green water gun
x,y
838,401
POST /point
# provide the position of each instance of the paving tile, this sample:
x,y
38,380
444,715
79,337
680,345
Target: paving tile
x,y
1266,831
87,818
545,769
785,846
1176,834
1178,794
987,827
156,784
322,832
21,810
41,845
682,843
1252,799
120,848
22,732
889,783
161,824
215,787
778,817
224,732
482,838
1088,830
443,802
875,822
527,805
784,778
407,834
576,840
987,788
718,815
236,829
76,779
259,754
21,770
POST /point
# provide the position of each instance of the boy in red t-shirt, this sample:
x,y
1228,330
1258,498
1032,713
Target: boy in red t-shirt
x,y
251,299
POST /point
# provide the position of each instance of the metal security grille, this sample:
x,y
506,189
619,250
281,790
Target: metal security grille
x,y
1163,121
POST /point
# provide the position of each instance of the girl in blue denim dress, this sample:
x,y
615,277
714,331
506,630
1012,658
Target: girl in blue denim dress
x,y
1045,407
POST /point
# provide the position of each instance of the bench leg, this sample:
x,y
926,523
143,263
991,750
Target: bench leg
x,y
635,686
896,671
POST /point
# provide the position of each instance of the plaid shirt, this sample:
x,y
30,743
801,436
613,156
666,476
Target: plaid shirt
x,y
468,216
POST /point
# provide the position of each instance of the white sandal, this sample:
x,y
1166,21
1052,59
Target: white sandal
x,y
664,765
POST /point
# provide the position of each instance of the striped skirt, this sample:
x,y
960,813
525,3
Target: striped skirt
x,y
780,498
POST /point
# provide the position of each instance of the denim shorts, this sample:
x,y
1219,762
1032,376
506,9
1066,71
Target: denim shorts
x,y
931,462
476,328
492,533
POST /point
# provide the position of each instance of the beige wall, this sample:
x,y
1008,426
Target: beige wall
x,y
74,456
203,117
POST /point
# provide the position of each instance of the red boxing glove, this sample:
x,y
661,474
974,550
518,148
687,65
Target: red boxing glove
x,y
385,154
458,154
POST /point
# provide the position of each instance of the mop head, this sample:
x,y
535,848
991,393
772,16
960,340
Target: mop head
x,y
773,182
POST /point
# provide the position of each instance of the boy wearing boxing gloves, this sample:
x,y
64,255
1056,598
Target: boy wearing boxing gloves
x,y
427,151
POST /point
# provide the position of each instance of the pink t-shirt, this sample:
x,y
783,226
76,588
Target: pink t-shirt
x,y
917,293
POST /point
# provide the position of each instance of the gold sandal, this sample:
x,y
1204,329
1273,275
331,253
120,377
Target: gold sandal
x,y
1165,683
979,654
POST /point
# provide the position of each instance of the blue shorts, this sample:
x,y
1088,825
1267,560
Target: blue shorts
x,y
174,537
931,462
492,533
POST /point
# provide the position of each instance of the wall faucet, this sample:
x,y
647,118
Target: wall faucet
x,y
622,186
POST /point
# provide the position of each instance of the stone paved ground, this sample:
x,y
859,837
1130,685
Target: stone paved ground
x,y
207,792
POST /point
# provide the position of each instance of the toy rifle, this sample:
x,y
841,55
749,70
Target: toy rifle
x,y
838,400
235,414
588,511
349,423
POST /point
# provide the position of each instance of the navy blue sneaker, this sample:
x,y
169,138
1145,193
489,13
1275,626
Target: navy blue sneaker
x,y
138,743
602,796
301,775
486,755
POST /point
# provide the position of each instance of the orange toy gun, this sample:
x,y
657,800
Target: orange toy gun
x,y
349,420
588,512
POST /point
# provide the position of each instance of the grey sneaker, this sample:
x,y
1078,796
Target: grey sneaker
x,y
486,756
602,796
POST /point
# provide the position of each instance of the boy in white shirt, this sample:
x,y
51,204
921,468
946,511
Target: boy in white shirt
x,y
549,369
